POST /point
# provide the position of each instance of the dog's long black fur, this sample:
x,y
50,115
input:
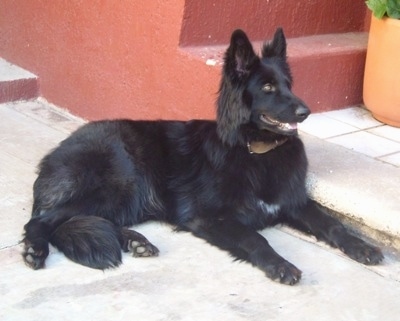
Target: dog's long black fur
x,y
216,179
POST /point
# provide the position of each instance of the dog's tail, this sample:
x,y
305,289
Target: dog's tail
x,y
89,240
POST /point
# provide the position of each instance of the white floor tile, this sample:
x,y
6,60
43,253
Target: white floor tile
x,y
393,159
323,127
354,116
389,132
367,143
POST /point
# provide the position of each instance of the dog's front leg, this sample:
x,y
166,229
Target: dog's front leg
x,y
245,244
313,220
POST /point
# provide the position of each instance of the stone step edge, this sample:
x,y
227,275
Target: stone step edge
x,y
298,48
17,83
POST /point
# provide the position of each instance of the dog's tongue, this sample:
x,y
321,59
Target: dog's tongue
x,y
291,126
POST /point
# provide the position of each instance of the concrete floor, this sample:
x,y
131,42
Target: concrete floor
x,y
192,280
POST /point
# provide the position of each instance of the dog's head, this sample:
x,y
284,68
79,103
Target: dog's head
x,y
257,90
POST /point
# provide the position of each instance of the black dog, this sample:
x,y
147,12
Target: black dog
x,y
220,180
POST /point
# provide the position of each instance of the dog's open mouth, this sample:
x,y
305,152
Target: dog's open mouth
x,y
283,127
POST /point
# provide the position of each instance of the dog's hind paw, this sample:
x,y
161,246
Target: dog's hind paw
x,y
137,244
35,254
139,249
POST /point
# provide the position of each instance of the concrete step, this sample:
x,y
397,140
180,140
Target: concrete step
x,y
16,83
327,69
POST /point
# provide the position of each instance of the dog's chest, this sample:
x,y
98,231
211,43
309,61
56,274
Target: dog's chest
x,y
258,213
268,209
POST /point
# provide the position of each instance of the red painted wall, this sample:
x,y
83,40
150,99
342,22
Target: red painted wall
x,y
211,22
107,59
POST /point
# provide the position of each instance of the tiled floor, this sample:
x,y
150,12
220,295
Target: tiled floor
x,y
355,129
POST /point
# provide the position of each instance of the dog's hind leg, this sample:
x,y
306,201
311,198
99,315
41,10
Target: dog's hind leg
x,y
37,234
313,220
88,240
47,225
245,244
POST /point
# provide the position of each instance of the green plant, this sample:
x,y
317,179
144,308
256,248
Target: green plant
x,y
380,8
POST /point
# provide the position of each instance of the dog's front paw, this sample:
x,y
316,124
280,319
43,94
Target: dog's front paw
x,y
35,253
284,272
362,252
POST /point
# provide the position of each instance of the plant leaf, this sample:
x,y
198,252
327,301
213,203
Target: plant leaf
x,y
378,7
393,9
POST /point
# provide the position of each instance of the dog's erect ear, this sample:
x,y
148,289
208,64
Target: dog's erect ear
x,y
240,55
277,47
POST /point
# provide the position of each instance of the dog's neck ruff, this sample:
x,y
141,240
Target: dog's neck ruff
x,y
263,147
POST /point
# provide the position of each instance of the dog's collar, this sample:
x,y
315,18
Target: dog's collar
x,y
263,147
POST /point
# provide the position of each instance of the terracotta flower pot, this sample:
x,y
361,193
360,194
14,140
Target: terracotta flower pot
x,y
382,71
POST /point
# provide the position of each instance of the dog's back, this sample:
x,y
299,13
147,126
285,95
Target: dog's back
x,y
117,168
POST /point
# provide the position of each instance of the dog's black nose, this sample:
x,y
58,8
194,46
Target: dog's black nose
x,y
302,112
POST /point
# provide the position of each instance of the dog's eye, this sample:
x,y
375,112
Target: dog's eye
x,y
268,88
